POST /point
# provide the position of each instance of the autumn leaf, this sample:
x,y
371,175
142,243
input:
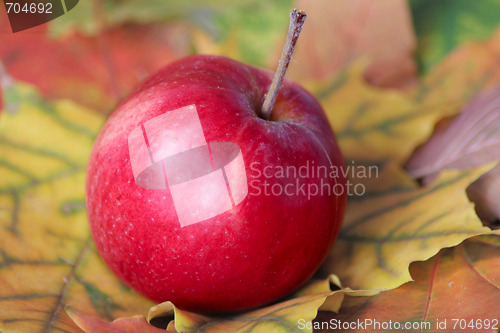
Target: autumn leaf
x,y
94,71
393,224
339,32
458,288
234,29
47,258
442,26
343,39
396,222
470,140
374,125
464,73
247,32
280,317
285,316
119,13
90,324
217,18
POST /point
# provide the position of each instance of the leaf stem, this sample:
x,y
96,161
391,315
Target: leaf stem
x,y
297,18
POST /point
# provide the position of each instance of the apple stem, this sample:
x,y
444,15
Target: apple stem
x,y
297,18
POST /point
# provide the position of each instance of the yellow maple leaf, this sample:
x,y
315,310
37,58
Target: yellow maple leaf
x,y
47,258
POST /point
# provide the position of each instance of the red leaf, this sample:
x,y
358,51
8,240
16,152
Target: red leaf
x,y
458,283
94,71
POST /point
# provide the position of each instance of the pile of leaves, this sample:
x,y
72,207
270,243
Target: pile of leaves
x,y
411,88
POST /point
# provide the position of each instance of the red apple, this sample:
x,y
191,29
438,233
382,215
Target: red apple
x,y
161,219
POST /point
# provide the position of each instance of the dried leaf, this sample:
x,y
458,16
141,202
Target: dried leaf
x,y
373,125
44,144
457,287
471,139
281,317
46,257
91,324
339,32
396,222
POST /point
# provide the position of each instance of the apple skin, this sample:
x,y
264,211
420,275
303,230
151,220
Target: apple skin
x,y
253,254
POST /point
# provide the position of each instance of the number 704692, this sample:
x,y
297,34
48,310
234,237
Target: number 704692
x,y
29,8
475,324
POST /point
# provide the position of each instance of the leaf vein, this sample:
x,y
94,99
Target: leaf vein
x,y
473,268
71,276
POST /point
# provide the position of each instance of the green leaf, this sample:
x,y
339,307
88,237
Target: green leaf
x,y
443,25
